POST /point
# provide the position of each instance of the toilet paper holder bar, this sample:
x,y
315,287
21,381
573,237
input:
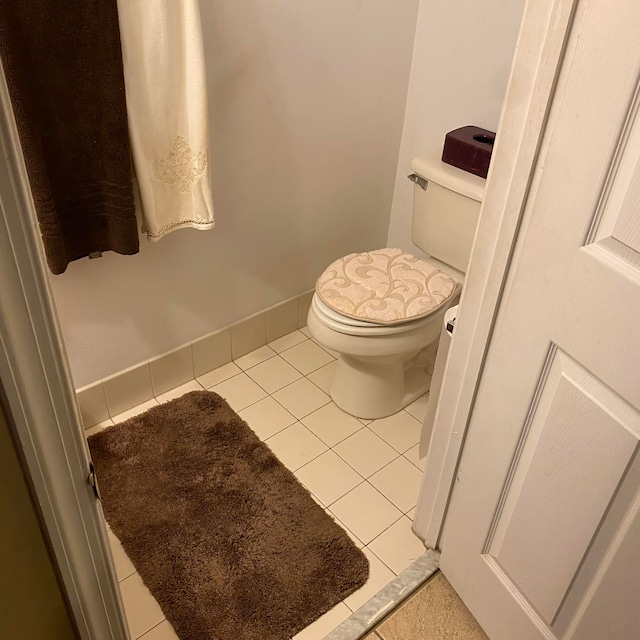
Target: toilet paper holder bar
x,y
419,180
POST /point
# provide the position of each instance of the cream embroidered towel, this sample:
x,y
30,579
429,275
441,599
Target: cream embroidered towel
x,y
165,83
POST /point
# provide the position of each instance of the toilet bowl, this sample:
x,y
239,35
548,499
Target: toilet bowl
x,y
384,318
381,368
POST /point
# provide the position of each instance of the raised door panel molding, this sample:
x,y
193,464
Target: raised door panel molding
x,y
580,440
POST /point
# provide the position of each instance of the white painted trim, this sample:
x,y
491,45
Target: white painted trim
x,y
539,52
41,400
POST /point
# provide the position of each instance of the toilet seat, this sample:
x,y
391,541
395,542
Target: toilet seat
x,y
384,287
353,327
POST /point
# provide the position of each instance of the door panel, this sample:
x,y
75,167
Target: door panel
x,y
543,532
579,443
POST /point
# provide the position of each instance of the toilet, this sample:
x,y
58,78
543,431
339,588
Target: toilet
x,y
382,310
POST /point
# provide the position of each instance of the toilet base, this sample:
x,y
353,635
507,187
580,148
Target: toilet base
x,y
377,387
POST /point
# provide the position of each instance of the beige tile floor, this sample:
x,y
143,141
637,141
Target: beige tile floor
x,y
434,612
366,474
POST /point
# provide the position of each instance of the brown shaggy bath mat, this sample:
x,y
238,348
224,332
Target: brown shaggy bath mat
x,y
228,541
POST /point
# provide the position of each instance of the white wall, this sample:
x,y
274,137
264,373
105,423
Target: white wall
x,y
461,63
307,102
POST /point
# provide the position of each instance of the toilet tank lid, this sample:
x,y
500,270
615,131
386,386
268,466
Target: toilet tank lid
x,y
433,169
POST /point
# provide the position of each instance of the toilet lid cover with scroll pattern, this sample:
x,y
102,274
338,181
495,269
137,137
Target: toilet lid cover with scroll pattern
x,y
385,286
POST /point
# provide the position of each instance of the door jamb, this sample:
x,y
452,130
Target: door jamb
x,y
42,403
539,51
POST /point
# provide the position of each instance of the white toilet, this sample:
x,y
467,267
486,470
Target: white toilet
x,y
382,310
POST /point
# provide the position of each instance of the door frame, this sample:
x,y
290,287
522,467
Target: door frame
x,y
43,412
540,49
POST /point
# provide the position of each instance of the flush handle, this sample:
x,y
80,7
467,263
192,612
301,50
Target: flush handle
x,y
419,180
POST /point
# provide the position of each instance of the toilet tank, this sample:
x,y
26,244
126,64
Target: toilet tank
x,y
446,207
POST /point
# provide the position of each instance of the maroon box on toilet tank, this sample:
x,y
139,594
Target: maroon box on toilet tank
x,y
469,148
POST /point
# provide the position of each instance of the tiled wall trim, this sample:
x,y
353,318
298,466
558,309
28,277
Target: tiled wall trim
x,y
304,302
93,404
248,335
172,369
126,389
282,319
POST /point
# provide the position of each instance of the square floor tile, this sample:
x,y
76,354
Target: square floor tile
x,y
240,391
379,576
399,482
267,417
273,374
306,356
163,631
124,566
301,398
141,608
288,341
331,424
398,546
130,413
413,456
418,407
401,430
328,477
295,446
192,385
325,624
324,375
226,371
366,512
255,357
306,331
411,514
365,452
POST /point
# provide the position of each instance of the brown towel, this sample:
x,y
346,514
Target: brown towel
x,y
63,65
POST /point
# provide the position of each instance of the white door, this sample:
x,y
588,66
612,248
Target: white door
x,y
542,538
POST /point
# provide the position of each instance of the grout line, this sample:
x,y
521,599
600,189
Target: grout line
x,y
317,385
385,530
150,630
411,461
253,366
286,385
269,395
386,465
376,471
347,493
339,441
323,348
333,358
235,375
131,574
